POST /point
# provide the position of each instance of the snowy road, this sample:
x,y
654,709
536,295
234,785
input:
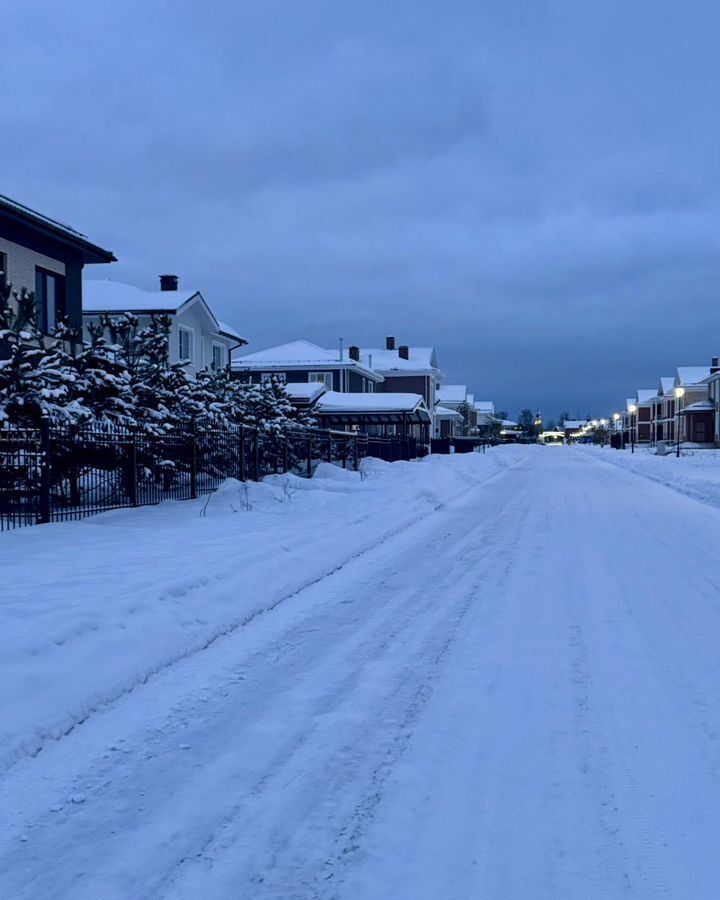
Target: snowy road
x,y
518,697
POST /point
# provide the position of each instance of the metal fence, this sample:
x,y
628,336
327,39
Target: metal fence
x,y
57,473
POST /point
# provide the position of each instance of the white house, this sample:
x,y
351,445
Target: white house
x,y
196,335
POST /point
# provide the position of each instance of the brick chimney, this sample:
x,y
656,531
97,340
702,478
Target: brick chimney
x,y
404,351
169,282
389,343
354,353
715,365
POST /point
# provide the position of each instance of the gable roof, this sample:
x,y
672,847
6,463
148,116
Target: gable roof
x,y
485,406
299,355
115,297
23,215
666,385
645,394
452,393
421,360
688,375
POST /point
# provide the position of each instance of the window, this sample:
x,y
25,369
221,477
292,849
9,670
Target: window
x,y
218,357
325,378
185,346
49,299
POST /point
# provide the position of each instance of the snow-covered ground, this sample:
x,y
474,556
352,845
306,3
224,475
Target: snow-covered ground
x,y
481,676
695,473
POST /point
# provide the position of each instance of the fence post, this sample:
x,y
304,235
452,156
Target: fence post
x,y
45,473
329,449
309,456
193,462
132,470
355,452
242,453
255,456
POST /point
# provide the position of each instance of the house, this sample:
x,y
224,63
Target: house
x,y
644,401
572,428
196,335
46,257
305,362
405,369
453,397
690,387
662,410
447,422
713,384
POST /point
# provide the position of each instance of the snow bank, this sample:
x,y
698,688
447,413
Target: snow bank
x,y
90,610
696,473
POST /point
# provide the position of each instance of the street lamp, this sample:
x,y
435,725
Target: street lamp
x,y
679,394
616,419
632,409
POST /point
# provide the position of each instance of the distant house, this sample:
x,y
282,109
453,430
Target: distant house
x,y
405,369
196,336
572,428
713,383
447,422
305,362
644,401
662,410
691,382
46,257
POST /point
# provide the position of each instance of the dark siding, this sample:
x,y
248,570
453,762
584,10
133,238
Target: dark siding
x,y
404,384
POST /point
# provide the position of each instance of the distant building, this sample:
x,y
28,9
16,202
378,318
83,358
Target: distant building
x,y
196,336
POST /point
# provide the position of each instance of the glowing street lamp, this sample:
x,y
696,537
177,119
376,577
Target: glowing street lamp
x,y
632,409
616,419
679,394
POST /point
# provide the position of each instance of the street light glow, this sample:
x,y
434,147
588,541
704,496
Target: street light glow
x,y
679,392
632,408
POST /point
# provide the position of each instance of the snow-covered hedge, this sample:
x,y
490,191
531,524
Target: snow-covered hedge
x,y
121,376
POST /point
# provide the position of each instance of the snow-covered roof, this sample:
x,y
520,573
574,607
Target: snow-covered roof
x,y
304,391
574,424
508,423
644,395
444,412
630,401
300,355
452,393
420,359
689,375
666,385
376,402
228,330
485,406
91,253
114,296
700,406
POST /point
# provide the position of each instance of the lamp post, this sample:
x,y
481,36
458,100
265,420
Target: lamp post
x,y
603,426
679,394
632,409
616,419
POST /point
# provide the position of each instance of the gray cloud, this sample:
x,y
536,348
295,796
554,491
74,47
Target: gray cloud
x,y
531,187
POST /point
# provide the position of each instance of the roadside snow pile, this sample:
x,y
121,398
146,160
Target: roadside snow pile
x,y
89,610
697,473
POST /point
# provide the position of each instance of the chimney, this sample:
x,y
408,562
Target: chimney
x,y
169,282
389,343
404,351
341,349
715,365
354,353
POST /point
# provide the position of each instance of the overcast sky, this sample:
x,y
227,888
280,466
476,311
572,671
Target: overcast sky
x,y
532,187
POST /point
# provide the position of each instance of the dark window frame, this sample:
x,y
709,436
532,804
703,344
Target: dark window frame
x,y
42,278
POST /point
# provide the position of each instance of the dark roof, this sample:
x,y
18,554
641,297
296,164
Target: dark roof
x,y
91,253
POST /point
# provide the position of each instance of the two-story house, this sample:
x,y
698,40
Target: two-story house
x,y
45,257
302,362
405,369
197,337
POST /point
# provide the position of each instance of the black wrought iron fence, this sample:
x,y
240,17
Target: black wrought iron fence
x,y
56,473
